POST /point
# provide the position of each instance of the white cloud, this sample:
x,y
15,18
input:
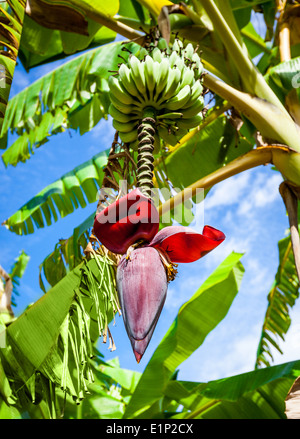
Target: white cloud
x,y
263,191
228,192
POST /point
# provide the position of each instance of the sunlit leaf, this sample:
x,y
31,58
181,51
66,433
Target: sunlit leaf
x,y
281,299
11,23
253,395
74,189
75,95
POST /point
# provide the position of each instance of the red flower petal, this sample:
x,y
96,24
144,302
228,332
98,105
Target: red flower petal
x,y
184,245
124,222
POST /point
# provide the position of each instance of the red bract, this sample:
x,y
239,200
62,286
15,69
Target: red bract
x,y
185,245
129,219
143,273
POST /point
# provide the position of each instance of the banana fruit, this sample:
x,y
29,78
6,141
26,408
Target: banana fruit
x,y
168,80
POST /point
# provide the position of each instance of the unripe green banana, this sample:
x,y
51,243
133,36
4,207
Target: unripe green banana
x,y
125,127
172,115
123,108
187,77
188,52
119,92
119,115
194,109
197,66
142,53
176,47
163,45
158,90
127,81
173,59
149,75
162,78
128,137
138,75
157,55
179,100
196,92
172,84
192,122
167,136
180,64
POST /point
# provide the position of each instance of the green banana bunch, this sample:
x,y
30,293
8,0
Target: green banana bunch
x,y
167,80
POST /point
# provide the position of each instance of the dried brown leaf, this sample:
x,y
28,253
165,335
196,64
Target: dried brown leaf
x,y
59,17
292,401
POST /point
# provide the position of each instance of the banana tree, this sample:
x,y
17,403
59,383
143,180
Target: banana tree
x,y
183,75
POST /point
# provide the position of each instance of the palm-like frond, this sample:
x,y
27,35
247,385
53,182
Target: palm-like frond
x,y
75,95
76,188
11,24
58,333
281,299
17,271
68,253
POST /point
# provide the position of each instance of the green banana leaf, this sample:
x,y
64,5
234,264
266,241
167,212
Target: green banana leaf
x,y
257,394
240,4
254,42
67,254
281,298
11,24
284,77
211,148
53,339
17,272
74,189
75,95
195,319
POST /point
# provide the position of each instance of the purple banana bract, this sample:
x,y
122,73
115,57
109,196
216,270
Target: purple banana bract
x,y
142,288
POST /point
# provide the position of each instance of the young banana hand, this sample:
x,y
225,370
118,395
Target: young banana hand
x,y
168,81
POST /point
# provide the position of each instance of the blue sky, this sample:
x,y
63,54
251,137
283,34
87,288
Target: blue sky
x,y
247,208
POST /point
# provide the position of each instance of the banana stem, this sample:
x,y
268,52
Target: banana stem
x,y
291,204
146,132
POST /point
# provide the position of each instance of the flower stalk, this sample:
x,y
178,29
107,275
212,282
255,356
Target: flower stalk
x,y
146,133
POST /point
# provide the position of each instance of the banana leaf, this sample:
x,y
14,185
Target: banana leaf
x,y
209,149
17,272
75,95
284,77
74,189
257,394
67,254
11,24
53,339
281,298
